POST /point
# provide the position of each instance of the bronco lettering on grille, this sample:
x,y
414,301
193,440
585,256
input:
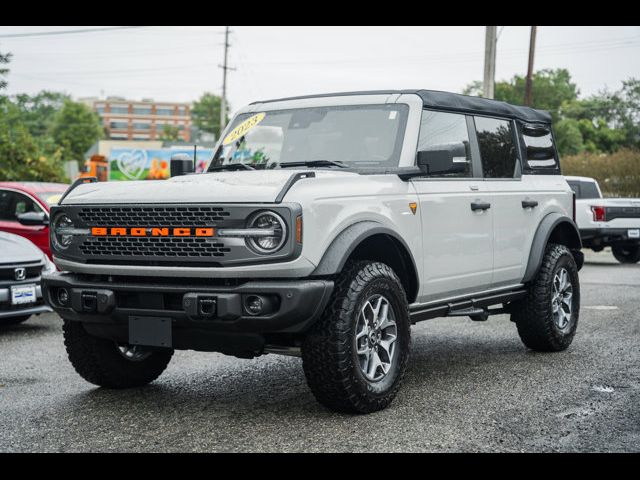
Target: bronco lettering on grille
x,y
152,232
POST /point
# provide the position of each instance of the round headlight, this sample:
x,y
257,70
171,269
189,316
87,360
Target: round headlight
x,y
275,232
61,235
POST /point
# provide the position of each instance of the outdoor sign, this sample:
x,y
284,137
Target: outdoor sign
x,y
150,164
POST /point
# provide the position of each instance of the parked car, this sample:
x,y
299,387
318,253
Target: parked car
x,y
324,228
21,266
607,222
24,209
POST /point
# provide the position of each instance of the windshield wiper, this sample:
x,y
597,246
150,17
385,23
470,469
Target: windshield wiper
x,y
232,167
314,163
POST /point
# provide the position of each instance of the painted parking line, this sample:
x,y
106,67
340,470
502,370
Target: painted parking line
x,y
601,307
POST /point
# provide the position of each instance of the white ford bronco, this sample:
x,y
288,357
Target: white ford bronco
x,y
324,228
607,222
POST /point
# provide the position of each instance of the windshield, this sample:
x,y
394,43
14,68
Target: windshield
x,y
354,136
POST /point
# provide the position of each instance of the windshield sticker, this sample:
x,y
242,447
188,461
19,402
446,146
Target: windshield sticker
x,y
242,129
393,114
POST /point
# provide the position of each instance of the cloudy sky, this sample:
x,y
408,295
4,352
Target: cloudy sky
x,y
180,63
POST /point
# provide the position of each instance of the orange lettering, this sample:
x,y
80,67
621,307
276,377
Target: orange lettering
x,y
118,231
138,232
204,232
98,231
181,232
160,232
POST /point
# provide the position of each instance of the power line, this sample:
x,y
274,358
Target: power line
x,y
67,32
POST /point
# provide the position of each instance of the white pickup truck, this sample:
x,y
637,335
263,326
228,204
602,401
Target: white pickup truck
x,y
605,222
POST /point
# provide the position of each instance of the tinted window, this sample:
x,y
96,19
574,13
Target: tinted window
x,y
589,190
497,149
446,131
575,186
13,204
540,149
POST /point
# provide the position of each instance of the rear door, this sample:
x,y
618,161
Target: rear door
x,y
514,201
457,232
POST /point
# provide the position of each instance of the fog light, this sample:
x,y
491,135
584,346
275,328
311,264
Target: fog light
x,y
63,297
254,304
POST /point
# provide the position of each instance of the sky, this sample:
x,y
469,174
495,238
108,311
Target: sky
x,y
180,63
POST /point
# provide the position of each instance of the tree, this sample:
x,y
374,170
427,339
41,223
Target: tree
x,y
551,90
75,128
206,113
170,133
38,111
5,58
21,157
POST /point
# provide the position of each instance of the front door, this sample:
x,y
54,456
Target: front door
x,y
456,220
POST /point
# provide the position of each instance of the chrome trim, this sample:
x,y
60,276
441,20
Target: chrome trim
x,y
246,232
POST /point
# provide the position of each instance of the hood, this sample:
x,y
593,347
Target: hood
x,y
16,249
253,186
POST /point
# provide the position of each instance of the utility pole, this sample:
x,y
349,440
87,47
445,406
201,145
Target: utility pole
x,y
529,84
489,62
225,68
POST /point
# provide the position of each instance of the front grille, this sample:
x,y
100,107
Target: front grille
x,y
8,273
158,247
194,216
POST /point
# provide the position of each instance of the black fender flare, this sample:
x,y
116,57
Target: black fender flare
x,y
346,242
541,238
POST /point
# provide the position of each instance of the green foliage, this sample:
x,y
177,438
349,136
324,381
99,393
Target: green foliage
x,y
605,122
170,133
38,111
617,173
206,113
75,128
21,157
5,58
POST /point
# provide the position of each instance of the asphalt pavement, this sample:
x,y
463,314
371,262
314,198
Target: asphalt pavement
x,y
470,386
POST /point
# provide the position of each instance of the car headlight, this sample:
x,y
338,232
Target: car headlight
x,y
273,235
62,228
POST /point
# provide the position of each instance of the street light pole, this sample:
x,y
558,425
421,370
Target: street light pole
x,y
529,85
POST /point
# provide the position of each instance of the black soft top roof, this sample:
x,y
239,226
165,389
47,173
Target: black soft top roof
x,y
452,101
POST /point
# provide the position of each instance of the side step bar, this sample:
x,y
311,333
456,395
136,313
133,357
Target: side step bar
x,y
476,308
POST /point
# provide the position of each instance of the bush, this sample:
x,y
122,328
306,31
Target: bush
x,y
617,173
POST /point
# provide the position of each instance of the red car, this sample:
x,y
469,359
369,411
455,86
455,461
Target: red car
x,y
24,209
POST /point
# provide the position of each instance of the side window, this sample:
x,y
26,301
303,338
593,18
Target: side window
x,y
497,148
13,204
446,131
540,150
575,186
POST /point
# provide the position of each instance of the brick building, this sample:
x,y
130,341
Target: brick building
x,y
144,120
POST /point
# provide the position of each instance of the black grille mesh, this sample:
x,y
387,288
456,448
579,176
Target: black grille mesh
x,y
159,247
8,273
192,216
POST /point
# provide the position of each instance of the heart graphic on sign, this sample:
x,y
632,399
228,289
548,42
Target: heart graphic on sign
x,y
132,164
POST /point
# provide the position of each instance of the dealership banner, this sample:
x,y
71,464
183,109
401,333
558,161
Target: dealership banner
x,y
150,164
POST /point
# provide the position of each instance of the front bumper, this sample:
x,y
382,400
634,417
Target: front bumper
x,y
203,315
604,237
7,310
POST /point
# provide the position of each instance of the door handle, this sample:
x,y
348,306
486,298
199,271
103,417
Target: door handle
x,y
529,203
480,206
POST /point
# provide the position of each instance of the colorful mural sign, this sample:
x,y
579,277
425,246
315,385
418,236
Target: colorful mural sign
x,y
150,164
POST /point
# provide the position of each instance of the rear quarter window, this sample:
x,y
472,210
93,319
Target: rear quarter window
x,y
540,155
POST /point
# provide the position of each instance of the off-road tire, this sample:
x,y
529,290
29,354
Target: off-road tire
x,y
329,355
14,320
533,315
626,253
99,361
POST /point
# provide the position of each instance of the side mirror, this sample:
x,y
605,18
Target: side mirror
x,y
181,164
446,160
33,218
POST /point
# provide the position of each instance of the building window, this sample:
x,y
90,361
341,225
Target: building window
x,y
142,110
118,125
119,109
182,110
164,111
100,110
141,126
